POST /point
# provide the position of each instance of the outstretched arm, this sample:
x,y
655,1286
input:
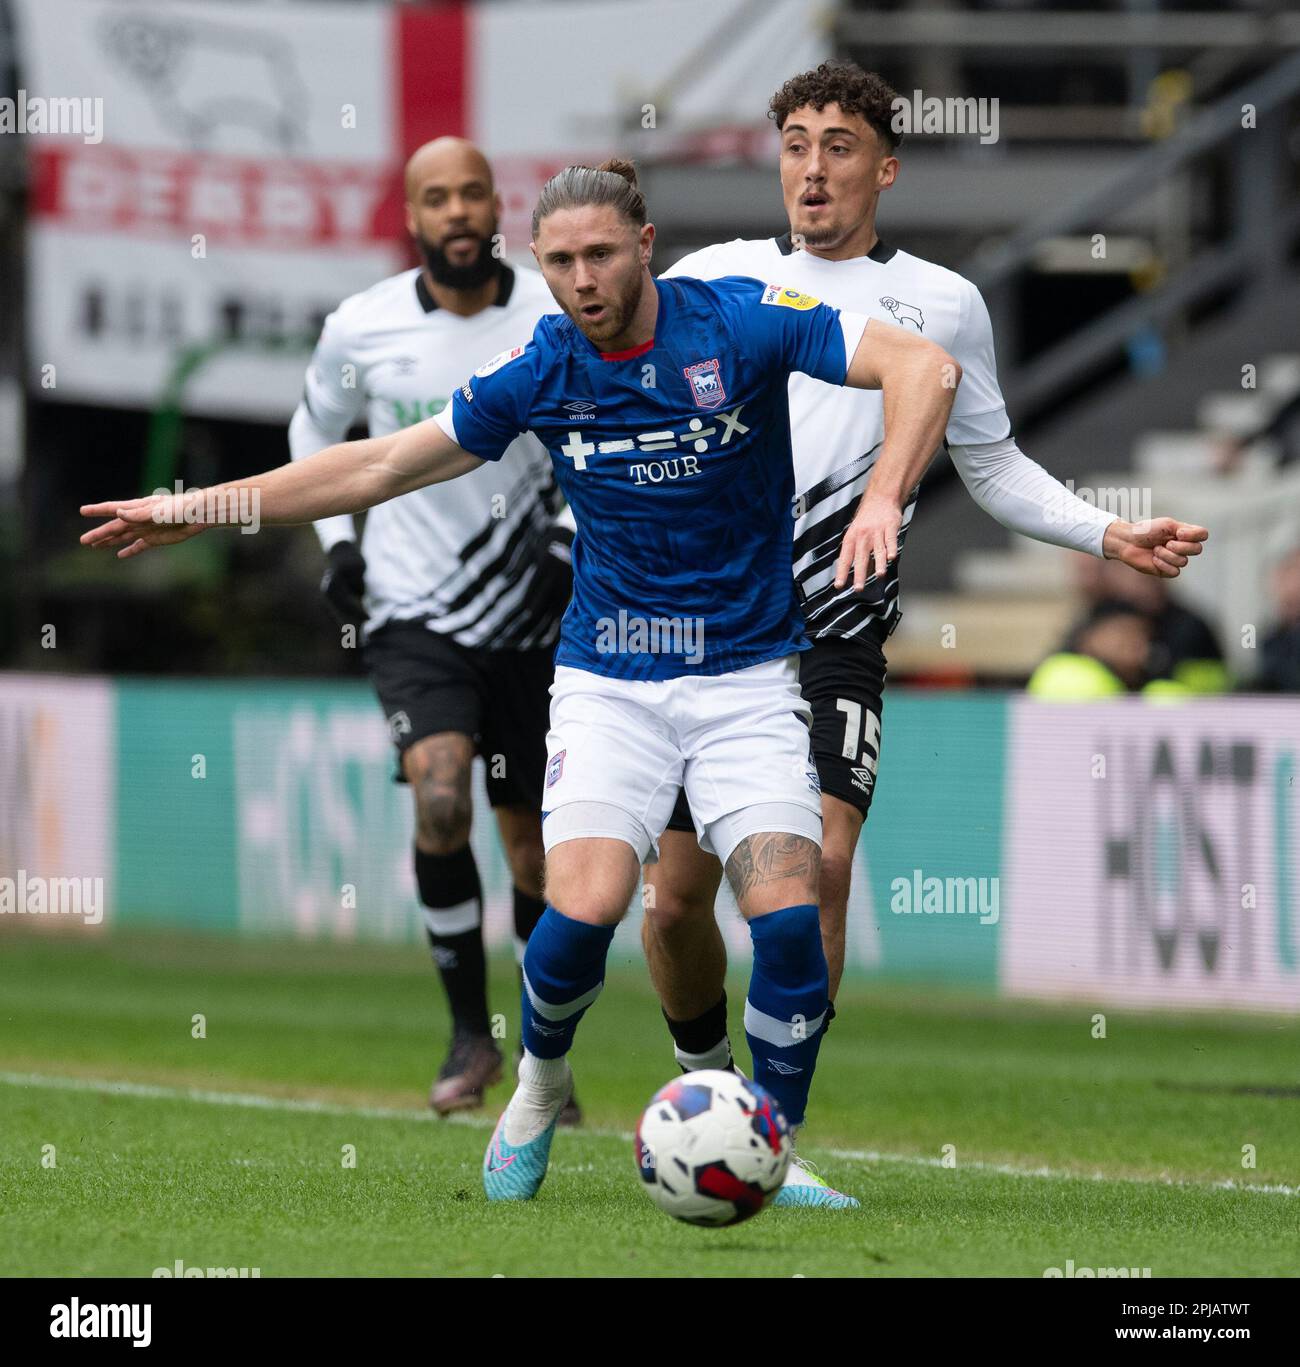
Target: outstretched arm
x,y
1023,497
918,380
347,478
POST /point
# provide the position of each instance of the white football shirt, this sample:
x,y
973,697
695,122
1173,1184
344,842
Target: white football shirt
x,y
458,556
836,432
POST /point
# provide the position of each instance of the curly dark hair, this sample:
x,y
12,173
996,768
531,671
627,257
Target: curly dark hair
x,y
843,83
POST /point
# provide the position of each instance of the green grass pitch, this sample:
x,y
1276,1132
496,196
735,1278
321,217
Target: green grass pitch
x,y
229,1151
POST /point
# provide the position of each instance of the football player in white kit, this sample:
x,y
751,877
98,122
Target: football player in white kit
x,y
837,155
460,586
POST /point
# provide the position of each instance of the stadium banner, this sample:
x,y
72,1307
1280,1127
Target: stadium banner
x,y
925,903
1121,853
270,808
1153,853
673,80
240,178
57,788
209,179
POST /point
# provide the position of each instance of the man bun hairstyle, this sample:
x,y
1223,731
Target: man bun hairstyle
x,y
612,182
844,83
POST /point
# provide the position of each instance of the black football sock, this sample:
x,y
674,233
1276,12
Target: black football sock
x,y
453,920
703,1042
528,911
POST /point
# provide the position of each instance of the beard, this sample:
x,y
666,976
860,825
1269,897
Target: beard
x,y
446,273
618,317
820,235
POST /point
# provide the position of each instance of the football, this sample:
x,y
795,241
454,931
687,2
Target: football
x,y
712,1148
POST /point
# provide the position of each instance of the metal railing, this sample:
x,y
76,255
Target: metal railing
x,y
1262,205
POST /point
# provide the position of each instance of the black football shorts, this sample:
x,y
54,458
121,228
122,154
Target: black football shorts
x,y
428,683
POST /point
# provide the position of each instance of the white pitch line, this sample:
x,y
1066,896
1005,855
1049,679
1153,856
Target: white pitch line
x,y
1061,1174
255,1100
262,1102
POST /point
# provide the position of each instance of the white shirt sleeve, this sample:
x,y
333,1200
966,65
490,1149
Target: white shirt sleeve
x,y
852,326
1024,497
446,419
332,401
979,412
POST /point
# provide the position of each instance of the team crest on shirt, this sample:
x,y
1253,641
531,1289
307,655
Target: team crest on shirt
x,y
705,380
554,768
788,299
904,313
500,359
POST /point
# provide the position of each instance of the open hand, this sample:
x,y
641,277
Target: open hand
x,y
136,524
871,540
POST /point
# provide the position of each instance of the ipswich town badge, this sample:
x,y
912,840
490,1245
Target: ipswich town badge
x,y
705,378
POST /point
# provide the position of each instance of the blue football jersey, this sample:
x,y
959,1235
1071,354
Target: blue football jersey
x,y
675,458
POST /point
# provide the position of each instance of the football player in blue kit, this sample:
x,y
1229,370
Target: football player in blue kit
x,y
663,405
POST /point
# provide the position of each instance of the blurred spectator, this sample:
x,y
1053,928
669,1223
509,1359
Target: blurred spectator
x,y
1280,652
1107,656
1184,647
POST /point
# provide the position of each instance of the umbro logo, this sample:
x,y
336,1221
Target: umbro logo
x,y
399,725
785,1069
581,410
547,1029
864,779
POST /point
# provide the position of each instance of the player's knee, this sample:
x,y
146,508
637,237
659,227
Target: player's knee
x,y
442,818
584,903
590,895
670,911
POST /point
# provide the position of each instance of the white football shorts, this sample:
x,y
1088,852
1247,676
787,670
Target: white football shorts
x,y
619,750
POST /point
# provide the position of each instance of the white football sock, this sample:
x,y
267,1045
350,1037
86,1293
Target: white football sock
x,y
544,1086
717,1057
